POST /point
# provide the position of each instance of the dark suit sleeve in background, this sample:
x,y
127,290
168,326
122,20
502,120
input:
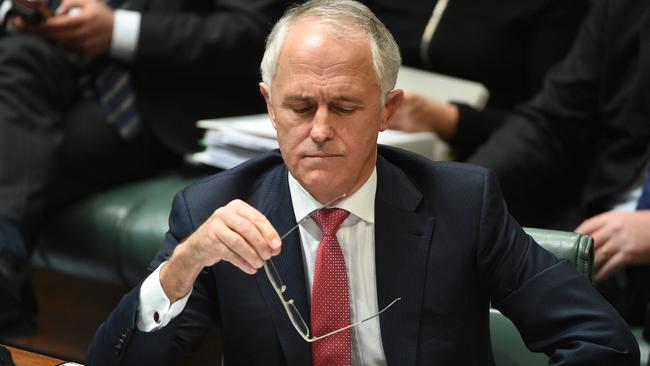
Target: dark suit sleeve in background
x,y
225,39
548,39
549,138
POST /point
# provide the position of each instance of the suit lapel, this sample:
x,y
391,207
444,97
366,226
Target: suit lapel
x,y
402,242
274,201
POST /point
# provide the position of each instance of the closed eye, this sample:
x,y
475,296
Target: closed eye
x,y
344,110
301,110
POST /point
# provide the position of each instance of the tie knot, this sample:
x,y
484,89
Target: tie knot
x,y
329,220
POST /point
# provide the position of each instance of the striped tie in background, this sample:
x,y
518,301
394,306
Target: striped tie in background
x,y
115,94
113,88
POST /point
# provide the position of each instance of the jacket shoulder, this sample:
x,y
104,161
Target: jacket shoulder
x,y
238,182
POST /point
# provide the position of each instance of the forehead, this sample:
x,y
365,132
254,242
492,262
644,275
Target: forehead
x,y
315,52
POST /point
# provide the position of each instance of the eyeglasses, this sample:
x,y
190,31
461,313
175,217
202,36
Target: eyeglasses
x,y
294,315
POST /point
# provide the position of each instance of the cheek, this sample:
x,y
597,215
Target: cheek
x,y
290,137
360,139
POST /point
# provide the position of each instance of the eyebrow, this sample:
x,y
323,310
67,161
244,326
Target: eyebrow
x,y
296,98
340,98
343,98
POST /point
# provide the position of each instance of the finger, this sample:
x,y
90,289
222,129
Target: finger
x,y
602,236
266,229
236,260
616,262
249,234
600,257
592,224
236,243
256,229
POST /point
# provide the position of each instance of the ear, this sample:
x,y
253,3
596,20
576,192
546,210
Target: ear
x,y
393,101
266,93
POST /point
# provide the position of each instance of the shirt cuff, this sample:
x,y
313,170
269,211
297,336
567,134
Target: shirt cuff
x,y
126,32
154,310
4,8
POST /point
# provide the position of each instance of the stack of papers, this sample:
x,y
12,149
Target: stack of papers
x,y
231,141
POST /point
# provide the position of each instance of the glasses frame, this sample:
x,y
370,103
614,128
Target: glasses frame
x,y
297,320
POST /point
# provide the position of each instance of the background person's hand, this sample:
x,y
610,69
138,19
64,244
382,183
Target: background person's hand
x,y
17,23
420,113
236,233
80,26
621,238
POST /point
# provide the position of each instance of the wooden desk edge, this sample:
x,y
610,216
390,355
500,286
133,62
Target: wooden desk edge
x,y
23,357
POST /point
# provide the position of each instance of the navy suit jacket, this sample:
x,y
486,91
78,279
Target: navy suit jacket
x,y
444,243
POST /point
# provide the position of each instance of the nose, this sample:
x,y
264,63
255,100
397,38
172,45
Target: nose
x,y
321,129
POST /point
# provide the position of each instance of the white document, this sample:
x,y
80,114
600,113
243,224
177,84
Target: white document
x,y
442,87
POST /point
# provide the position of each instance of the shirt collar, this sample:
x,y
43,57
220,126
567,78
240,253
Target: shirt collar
x,y
361,203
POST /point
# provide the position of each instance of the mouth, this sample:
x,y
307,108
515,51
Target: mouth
x,y
321,154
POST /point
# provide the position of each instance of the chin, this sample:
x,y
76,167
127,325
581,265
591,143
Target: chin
x,y
319,182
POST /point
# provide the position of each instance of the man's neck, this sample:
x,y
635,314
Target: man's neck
x,y
361,203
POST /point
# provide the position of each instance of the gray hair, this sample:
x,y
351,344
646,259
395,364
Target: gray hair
x,y
345,17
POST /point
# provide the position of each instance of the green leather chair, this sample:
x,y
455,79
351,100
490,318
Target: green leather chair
x,y
114,235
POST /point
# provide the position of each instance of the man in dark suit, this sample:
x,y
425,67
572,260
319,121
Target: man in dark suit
x,y
184,60
577,155
436,236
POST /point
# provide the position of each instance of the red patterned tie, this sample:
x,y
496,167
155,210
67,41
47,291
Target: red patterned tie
x,y
330,298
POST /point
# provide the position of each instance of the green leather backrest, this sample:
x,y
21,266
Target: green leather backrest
x,y
507,345
578,249
111,236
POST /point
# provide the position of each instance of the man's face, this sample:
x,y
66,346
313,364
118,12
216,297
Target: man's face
x,y
326,108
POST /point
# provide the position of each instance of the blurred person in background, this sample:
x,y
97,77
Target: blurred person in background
x,y
507,45
94,94
577,155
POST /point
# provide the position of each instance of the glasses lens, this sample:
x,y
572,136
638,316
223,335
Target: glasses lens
x,y
273,275
297,319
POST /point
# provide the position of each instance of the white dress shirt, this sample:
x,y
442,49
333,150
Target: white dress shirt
x,y
4,8
126,32
356,236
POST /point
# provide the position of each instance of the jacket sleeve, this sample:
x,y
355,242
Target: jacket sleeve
x,y
556,310
554,29
225,39
119,342
475,127
546,137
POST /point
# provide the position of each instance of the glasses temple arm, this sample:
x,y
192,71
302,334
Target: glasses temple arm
x,y
314,339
